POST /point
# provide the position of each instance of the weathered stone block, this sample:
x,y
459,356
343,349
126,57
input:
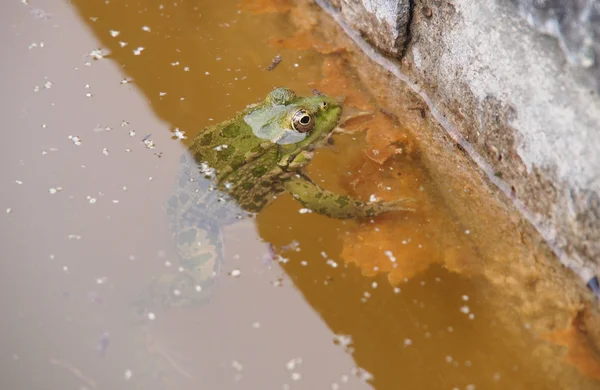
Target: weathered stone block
x,y
383,22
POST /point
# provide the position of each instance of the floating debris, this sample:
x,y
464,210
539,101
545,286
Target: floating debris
x,y
138,51
114,33
274,62
148,142
178,134
76,140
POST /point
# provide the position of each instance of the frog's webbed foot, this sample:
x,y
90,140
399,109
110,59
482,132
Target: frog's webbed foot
x,y
192,283
395,205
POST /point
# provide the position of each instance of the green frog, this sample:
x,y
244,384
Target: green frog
x,y
235,169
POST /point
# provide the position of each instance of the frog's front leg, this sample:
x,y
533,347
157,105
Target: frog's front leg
x,y
338,206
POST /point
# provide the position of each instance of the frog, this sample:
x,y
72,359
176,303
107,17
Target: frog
x,y
237,168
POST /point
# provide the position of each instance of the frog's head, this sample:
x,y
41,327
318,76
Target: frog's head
x,y
294,123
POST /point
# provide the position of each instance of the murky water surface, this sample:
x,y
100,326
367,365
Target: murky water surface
x,y
84,228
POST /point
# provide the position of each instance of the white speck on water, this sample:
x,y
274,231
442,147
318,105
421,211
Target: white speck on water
x,y
151,316
372,198
304,211
179,134
176,292
448,359
92,200
128,374
48,84
149,143
470,387
115,201
304,263
180,269
290,365
467,231
390,256
96,54
296,376
131,133
150,178
18,182
101,280
114,33
362,374
397,290
465,298
407,342
8,210
450,329
138,51
146,28
186,69
105,151
88,95
198,288
235,273
175,63
162,94
331,263
74,237
367,294
75,139
168,263
496,376
296,65
256,325
36,88
125,81
237,365
465,309
65,268
374,284
123,44
471,316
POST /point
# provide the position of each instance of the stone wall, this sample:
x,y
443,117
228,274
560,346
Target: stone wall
x,y
515,84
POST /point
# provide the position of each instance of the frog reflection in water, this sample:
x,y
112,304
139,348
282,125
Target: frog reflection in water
x,y
237,168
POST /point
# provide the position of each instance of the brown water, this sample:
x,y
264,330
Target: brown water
x,y
83,224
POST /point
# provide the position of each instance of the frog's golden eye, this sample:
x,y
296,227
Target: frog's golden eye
x,y
303,121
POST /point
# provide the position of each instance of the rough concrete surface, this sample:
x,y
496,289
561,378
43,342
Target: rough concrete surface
x,y
383,22
523,102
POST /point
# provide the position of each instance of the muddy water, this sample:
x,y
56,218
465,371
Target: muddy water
x,y
84,229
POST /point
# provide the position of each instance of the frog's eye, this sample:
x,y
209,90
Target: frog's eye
x,y
303,121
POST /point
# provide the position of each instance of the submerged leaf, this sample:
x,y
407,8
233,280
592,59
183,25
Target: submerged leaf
x,y
402,244
580,350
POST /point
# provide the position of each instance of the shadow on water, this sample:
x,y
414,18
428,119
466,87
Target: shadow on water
x,y
197,63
